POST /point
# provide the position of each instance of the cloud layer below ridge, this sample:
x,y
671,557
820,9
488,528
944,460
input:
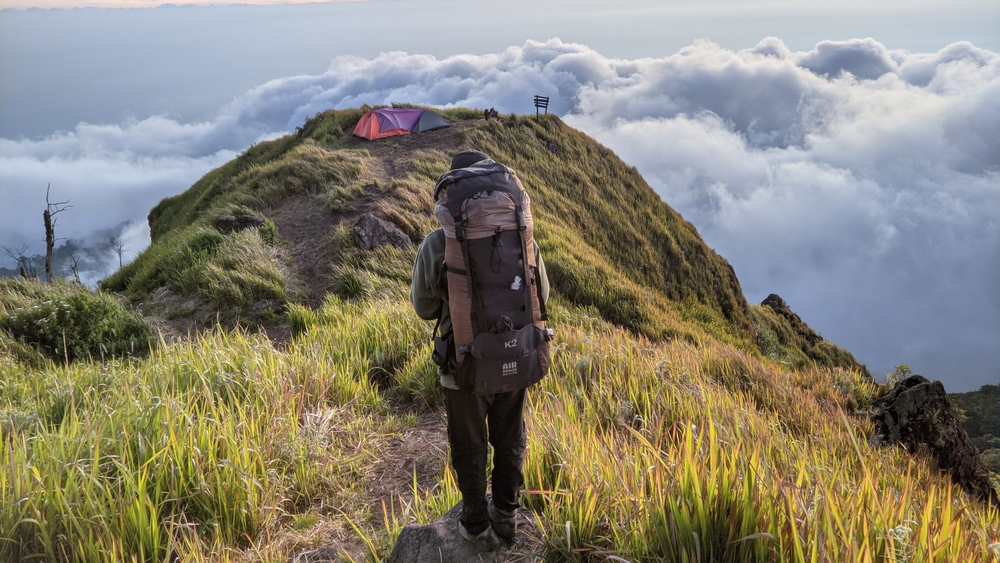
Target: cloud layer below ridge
x,y
860,183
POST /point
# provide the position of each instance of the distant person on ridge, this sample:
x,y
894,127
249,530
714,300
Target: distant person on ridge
x,y
487,291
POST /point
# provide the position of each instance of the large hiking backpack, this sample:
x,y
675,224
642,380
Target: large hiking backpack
x,y
500,341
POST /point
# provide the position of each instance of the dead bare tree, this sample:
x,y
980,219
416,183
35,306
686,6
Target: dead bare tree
x,y
118,245
75,267
51,209
24,264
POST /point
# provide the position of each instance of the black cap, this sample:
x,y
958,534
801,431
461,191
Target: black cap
x,y
466,159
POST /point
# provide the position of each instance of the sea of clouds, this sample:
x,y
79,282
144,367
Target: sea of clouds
x,y
860,183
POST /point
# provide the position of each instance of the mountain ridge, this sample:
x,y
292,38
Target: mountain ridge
x,y
639,263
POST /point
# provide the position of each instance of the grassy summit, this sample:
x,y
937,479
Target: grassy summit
x,y
610,241
678,422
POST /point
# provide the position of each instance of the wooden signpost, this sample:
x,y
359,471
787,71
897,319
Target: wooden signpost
x,y
541,102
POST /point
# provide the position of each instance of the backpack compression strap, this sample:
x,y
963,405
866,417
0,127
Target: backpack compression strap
x,y
473,290
522,229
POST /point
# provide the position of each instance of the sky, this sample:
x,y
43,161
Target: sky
x,y
127,4
846,158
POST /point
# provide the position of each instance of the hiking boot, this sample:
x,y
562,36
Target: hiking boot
x,y
505,523
484,541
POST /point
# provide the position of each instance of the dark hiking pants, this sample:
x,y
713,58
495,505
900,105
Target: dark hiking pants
x,y
472,419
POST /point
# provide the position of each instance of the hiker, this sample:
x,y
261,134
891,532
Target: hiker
x,y
484,393
487,115
494,114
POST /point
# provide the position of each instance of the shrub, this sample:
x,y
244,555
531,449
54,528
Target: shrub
x,y
81,325
241,273
300,318
269,232
14,352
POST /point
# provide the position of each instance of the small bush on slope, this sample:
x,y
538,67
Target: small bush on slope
x,y
67,322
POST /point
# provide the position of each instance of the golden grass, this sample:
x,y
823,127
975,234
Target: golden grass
x,y
224,448
676,452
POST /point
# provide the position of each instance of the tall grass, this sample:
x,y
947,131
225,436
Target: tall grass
x,y
204,447
218,449
674,452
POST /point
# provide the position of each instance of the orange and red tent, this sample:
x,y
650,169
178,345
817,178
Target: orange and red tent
x,y
386,122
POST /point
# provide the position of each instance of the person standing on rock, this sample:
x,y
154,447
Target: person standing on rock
x,y
476,277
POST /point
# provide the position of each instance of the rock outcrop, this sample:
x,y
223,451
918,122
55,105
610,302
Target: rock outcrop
x,y
778,305
371,232
327,554
440,543
437,543
918,415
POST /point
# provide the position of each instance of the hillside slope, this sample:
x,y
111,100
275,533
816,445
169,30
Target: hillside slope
x,y
609,241
982,422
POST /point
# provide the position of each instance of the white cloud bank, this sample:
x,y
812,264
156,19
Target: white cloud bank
x,y
861,184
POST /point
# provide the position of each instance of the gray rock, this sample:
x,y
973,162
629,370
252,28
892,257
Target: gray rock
x,y
327,554
371,232
437,543
918,415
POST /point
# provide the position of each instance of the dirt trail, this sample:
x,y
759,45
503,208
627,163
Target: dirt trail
x,y
304,221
